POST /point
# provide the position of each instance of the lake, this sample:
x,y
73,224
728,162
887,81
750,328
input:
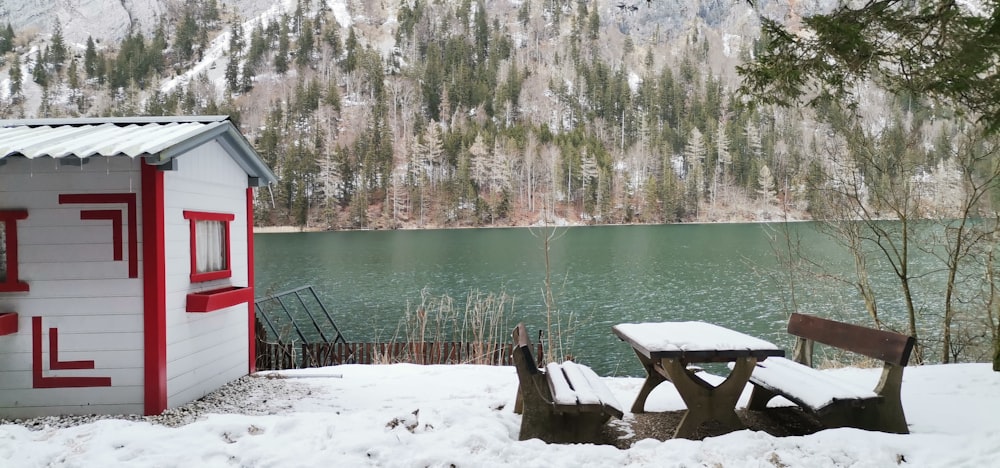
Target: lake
x,y
602,275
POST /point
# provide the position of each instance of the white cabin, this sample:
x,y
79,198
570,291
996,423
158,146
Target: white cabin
x,y
126,262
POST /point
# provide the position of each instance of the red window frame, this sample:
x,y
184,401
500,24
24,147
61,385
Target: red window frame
x,y
9,219
193,217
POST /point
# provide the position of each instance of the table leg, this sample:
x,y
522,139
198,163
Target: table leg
x,y
705,402
653,378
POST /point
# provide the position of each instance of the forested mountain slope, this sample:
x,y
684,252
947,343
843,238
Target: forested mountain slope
x,y
426,113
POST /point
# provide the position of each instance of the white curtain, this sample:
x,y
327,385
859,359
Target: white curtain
x,y
211,241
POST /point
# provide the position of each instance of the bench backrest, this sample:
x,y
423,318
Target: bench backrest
x,y
522,350
883,345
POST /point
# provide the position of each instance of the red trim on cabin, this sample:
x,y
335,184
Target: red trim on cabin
x,y
54,362
154,287
115,216
225,218
108,199
40,381
9,218
8,323
251,318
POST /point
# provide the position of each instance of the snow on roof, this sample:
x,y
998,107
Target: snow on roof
x,y
158,139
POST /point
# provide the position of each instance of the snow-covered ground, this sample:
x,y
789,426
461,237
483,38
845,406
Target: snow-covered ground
x,y
418,416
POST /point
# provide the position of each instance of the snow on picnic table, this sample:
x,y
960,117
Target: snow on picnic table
x,y
690,336
417,416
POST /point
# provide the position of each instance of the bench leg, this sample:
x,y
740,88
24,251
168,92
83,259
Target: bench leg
x,y
518,401
535,409
887,415
653,378
706,403
759,396
883,414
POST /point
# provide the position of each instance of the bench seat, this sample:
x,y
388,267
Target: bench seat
x,y
806,386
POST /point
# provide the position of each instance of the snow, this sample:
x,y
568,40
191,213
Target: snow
x,y
406,415
816,391
689,336
340,13
634,80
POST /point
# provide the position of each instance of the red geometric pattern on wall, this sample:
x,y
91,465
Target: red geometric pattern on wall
x,y
41,381
129,200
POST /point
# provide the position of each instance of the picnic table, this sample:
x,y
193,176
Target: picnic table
x,y
666,349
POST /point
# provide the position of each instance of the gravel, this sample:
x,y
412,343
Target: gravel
x,y
259,394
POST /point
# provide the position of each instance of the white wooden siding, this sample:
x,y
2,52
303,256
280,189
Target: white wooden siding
x,y
204,350
75,286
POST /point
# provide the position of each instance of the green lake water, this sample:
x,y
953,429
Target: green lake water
x,y
722,273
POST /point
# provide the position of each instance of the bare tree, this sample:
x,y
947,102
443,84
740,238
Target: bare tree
x,y
966,239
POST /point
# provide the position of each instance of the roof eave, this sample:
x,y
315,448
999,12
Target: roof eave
x,y
233,142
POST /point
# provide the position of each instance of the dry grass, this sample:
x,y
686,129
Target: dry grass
x,y
482,322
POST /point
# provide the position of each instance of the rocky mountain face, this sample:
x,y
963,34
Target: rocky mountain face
x,y
109,20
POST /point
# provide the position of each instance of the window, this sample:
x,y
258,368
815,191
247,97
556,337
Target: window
x,y
209,245
9,281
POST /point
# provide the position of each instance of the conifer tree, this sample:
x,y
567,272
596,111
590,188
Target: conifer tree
x,y
246,78
281,56
90,59
258,46
332,95
38,73
351,47
57,46
232,74
72,76
6,39
305,45
331,37
211,11
15,77
186,36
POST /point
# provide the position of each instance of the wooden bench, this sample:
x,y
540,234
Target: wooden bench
x,y
835,402
565,403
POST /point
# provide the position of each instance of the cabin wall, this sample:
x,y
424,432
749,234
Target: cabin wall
x,y
204,350
77,287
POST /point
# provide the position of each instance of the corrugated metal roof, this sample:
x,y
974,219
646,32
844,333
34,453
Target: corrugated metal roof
x,y
159,139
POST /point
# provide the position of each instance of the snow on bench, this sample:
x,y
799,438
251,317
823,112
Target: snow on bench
x,y
806,386
573,385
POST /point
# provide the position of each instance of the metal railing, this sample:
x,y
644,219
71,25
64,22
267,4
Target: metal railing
x,y
300,311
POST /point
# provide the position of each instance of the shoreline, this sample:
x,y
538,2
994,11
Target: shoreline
x,y
284,229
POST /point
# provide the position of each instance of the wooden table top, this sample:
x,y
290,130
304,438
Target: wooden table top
x,y
693,342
